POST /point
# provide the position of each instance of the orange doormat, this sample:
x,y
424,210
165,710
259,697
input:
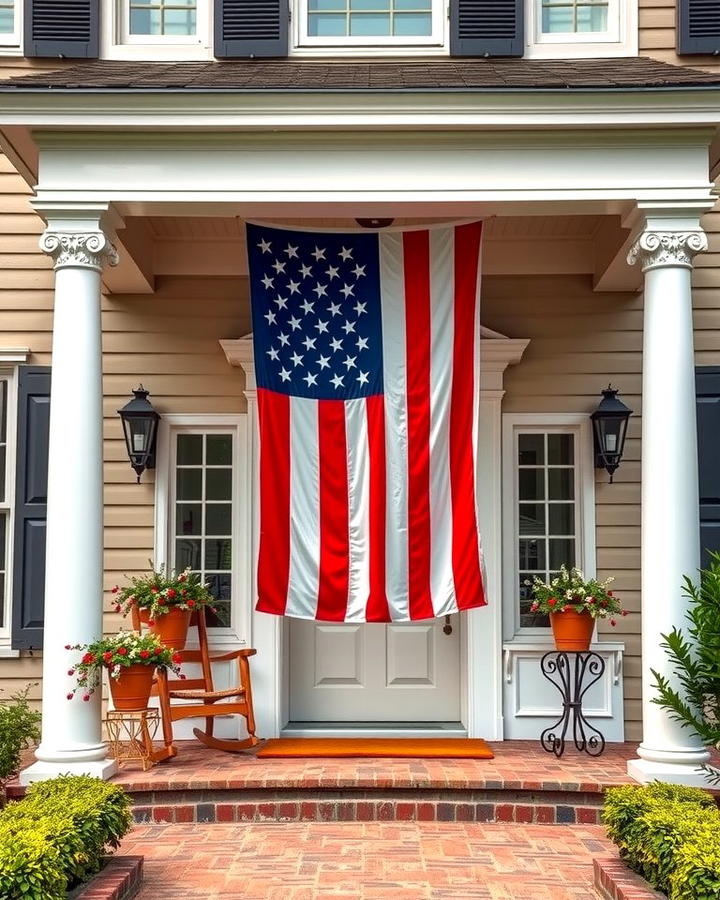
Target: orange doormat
x,y
406,748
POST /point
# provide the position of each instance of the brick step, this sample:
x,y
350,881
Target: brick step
x,y
367,805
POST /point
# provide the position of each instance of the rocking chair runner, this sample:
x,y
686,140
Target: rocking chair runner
x,y
208,701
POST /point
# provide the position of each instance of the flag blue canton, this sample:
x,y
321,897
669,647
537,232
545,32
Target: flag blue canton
x,y
317,323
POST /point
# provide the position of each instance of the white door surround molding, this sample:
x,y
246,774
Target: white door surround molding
x,y
481,646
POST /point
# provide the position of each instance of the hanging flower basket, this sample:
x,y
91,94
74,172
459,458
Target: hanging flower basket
x,y
130,659
132,688
572,630
172,627
165,602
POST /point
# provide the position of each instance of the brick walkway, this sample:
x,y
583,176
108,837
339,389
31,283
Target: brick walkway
x,y
369,861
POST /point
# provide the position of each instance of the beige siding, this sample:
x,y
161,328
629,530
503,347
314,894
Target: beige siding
x,y
657,35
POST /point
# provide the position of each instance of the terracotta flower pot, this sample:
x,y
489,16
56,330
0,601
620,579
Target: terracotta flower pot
x,y
572,630
172,627
131,689
144,615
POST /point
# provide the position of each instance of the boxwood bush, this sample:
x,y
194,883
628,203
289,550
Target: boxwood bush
x,y
670,834
56,836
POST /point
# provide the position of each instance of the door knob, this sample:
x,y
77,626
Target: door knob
x,y
447,627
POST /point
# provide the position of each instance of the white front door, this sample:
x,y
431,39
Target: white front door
x,y
400,672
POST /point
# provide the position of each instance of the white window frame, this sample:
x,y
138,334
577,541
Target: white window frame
x,y
11,43
118,43
620,39
8,373
541,423
347,45
238,634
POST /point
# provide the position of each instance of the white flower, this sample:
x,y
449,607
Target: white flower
x,y
569,595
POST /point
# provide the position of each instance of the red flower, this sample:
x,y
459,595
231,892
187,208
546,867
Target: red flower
x,y
88,659
613,622
610,594
603,602
183,593
161,601
176,658
181,578
624,613
114,590
144,654
533,606
68,647
71,671
552,601
158,651
182,677
122,651
213,609
171,593
118,607
107,656
191,603
70,696
151,621
153,590
86,697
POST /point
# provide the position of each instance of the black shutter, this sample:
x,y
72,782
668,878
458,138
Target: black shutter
x,y
62,28
698,26
248,28
33,424
486,27
707,386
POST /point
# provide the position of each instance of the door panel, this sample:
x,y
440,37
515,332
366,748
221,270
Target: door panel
x,y
400,672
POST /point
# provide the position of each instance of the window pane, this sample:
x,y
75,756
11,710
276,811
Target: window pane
x,y
187,553
219,449
327,25
531,449
529,619
561,449
218,519
189,484
562,552
561,484
532,484
592,18
413,5
326,5
188,518
369,25
179,21
372,5
558,20
220,588
7,20
532,554
562,518
218,554
145,21
412,24
532,518
189,450
218,484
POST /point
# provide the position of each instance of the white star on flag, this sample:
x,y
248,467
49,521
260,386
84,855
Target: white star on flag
x,y
337,381
361,343
305,271
360,308
264,246
332,272
284,374
349,361
347,290
270,316
296,359
318,254
363,378
268,281
346,254
310,379
291,251
273,354
307,306
348,326
294,287
324,362
309,343
284,339
334,309
336,344
321,326
294,323
358,271
281,302
279,266
320,290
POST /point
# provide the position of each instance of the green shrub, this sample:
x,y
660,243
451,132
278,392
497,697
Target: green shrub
x,y
670,834
19,726
57,835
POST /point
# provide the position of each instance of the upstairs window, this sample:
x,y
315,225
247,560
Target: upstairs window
x,y
567,29
156,29
358,23
162,18
574,17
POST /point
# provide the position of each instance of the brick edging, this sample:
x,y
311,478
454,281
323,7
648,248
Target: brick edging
x,y
120,879
613,880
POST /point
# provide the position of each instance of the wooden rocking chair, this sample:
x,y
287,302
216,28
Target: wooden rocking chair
x,y
209,702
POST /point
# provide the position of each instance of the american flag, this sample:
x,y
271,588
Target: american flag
x,y
367,365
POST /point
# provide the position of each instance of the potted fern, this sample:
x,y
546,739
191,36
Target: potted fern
x,y
694,699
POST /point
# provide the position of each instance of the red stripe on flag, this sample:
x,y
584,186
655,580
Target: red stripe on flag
x,y
274,553
416,264
334,525
465,552
377,605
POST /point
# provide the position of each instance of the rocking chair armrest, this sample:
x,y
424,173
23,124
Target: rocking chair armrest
x,y
232,654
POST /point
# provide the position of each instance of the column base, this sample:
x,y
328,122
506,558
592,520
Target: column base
x,y
646,770
43,770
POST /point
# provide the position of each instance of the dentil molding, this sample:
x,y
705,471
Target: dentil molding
x,y
655,249
86,250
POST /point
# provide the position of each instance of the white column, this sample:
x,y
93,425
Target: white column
x,y
670,506
71,729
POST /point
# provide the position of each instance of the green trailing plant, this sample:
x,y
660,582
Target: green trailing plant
x,y
693,699
670,834
19,728
56,837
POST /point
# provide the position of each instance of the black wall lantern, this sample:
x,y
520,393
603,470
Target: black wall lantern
x,y
610,426
140,423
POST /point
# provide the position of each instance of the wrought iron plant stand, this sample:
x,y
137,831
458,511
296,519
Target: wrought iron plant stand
x,y
573,673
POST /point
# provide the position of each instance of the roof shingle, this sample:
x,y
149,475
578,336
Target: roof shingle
x,y
432,74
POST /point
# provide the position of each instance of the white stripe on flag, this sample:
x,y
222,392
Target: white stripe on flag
x,y
358,469
442,583
304,509
392,292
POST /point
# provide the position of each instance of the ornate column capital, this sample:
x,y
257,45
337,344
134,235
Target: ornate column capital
x,y
656,249
79,249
